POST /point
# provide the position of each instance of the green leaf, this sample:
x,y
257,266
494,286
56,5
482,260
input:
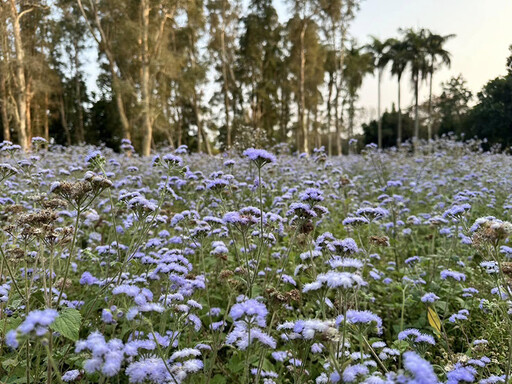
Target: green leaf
x,y
7,363
218,379
68,323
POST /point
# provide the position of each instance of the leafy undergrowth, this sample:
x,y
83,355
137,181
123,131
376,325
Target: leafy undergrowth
x,y
255,268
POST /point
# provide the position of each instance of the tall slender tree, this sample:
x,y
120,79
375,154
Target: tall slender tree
x,y
358,64
398,55
436,56
416,53
223,17
378,50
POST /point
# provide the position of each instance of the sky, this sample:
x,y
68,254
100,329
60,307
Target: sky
x,y
483,32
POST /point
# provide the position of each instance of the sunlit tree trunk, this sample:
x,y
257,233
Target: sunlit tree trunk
x,y
78,94
4,101
146,95
225,78
30,95
46,126
329,118
63,120
302,97
21,99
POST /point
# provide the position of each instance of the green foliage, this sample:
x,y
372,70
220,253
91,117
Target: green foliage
x,y
68,323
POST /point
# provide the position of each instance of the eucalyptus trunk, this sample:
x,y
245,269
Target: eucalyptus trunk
x,y
302,97
5,114
146,93
329,119
78,94
21,99
225,82
379,127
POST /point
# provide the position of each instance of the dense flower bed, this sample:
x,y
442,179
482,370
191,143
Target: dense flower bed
x,y
255,268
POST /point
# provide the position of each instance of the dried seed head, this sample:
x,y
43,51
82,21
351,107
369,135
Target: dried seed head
x,y
54,203
225,274
381,241
42,217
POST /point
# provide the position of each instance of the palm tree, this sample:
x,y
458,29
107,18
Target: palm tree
x,y
436,54
398,56
377,49
416,55
356,65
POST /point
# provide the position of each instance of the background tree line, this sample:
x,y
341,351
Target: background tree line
x,y
295,81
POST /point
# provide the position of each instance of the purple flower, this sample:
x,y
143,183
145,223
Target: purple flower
x,y
461,373
70,375
38,321
237,219
346,246
364,317
260,156
312,195
93,156
351,373
418,337
459,276
461,315
421,370
429,297
355,221
252,309
372,213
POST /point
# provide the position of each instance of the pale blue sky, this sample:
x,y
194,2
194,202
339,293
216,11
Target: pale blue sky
x,y
479,51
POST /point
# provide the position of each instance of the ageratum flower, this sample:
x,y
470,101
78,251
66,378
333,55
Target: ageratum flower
x,y
94,158
455,211
361,318
305,329
461,373
252,310
421,370
312,195
459,276
107,357
335,280
260,156
352,372
491,267
7,170
493,379
36,321
242,338
70,375
372,213
239,220
461,315
345,262
429,297
416,336
346,246
355,221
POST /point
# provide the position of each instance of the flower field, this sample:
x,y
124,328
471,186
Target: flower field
x,y
255,267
